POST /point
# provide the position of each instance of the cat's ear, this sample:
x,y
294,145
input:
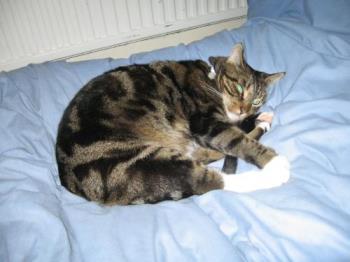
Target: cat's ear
x,y
273,78
236,56
217,62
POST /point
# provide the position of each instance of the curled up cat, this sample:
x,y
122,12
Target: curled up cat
x,y
145,133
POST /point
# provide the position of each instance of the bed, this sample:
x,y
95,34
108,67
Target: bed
x,y
306,219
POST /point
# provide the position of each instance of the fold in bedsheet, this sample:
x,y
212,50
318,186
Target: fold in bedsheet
x,y
306,219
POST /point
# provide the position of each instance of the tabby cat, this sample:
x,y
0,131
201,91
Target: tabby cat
x,y
144,133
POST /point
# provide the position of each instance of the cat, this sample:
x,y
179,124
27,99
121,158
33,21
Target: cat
x,y
144,133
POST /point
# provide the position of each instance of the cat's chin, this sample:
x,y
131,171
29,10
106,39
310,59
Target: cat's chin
x,y
235,118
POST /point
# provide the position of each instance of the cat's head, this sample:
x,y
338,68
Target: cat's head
x,y
244,90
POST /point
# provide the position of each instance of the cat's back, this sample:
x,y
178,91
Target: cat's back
x,y
115,101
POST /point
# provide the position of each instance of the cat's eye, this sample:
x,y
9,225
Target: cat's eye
x,y
239,88
257,102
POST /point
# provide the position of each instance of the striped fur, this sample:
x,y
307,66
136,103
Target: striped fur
x,y
143,133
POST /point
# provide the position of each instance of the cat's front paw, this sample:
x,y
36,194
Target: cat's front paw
x,y
277,171
264,121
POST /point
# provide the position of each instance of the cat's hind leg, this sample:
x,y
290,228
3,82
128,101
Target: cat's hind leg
x,y
164,176
161,177
274,174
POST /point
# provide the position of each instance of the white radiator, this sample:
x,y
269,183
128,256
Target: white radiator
x,y
33,31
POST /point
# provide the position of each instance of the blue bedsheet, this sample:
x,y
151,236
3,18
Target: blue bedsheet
x,y
307,219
